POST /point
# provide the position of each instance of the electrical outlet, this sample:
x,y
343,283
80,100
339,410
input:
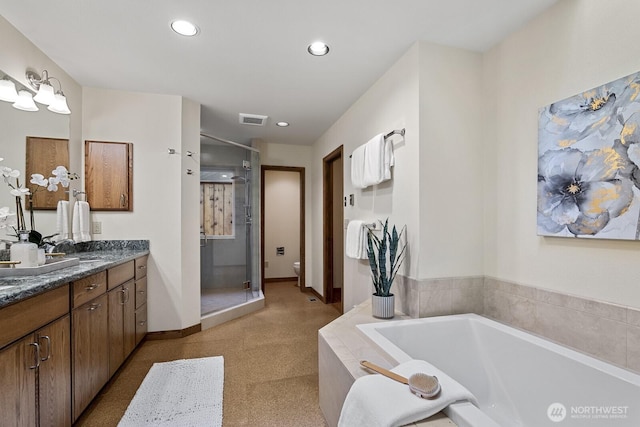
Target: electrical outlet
x,y
96,227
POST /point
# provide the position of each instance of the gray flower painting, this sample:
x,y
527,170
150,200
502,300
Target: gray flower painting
x,y
589,163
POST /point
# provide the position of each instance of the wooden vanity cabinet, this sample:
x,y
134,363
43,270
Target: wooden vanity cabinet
x,y
122,326
35,370
90,331
141,299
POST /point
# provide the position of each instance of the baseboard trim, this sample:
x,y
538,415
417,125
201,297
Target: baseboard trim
x,y
170,335
281,279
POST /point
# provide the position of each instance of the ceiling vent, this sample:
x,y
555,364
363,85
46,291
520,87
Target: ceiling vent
x,y
253,119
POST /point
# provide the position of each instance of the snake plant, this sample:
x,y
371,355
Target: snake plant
x,y
385,257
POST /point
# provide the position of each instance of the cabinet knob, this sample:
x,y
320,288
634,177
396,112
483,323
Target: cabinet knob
x,y
142,267
93,307
142,323
92,286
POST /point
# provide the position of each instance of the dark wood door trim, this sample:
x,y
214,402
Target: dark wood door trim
x,y
301,171
327,222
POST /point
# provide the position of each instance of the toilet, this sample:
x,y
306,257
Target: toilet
x,y
296,268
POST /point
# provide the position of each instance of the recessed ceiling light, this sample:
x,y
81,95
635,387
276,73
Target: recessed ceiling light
x,y
282,124
184,28
318,49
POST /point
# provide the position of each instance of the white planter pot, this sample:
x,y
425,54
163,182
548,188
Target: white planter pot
x,y
383,307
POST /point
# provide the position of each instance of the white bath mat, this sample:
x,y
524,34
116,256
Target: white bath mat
x,y
179,393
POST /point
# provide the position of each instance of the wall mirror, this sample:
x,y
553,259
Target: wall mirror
x,y
17,125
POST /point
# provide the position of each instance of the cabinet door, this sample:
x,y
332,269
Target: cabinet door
x,y
90,352
54,374
18,383
108,175
116,329
129,321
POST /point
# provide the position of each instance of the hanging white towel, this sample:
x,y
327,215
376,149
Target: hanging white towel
x,y
389,160
373,161
377,401
356,240
357,167
81,222
62,220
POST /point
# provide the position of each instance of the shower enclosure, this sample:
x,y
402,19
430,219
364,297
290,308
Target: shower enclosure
x,y
229,187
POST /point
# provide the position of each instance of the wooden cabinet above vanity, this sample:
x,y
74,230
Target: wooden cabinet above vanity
x,y
109,175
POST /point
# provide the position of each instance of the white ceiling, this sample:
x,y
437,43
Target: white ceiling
x,y
250,55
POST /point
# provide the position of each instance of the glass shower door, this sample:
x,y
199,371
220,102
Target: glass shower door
x,y
227,235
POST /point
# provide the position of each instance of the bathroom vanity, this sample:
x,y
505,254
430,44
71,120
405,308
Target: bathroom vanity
x,y
65,333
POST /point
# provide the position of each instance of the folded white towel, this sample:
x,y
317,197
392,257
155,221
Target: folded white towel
x,y
81,222
357,167
377,401
356,240
62,220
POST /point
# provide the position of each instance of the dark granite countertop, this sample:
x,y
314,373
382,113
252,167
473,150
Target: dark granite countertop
x,y
14,289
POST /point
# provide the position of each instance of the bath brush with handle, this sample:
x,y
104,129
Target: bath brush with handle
x,y
420,384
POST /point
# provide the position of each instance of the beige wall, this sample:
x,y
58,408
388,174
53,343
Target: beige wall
x,y
282,222
391,103
165,198
563,52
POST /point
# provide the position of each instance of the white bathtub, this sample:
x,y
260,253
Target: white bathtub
x,y
517,378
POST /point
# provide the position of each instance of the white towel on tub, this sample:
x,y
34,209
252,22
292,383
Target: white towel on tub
x,y
356,240
62,220
81,222
377,401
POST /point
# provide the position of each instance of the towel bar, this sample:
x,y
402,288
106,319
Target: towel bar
x,y
400,132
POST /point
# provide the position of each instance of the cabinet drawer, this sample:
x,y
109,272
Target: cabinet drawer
x,y
141,323
141,267
26,316
141,292
86,289
116,276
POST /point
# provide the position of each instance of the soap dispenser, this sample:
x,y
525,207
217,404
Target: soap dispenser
x,y
24,251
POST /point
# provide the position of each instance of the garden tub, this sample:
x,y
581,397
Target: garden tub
x,y
517,378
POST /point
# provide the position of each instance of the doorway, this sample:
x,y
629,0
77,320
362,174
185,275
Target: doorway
x,y
333,228
282,224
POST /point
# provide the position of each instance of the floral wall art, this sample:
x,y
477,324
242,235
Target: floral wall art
x,y
588,163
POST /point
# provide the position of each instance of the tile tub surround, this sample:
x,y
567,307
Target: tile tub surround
x,y
604,330
607,331
14,289
341,347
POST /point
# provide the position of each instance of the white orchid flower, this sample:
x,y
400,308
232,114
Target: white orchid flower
x,y
5,213
39,179
10,173
53,186
21,191
6,218
60,172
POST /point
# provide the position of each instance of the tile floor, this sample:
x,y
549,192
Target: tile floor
x,y
212,299
271,364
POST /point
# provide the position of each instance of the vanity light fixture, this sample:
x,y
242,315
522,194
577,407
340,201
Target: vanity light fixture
x,y
25,101
282,124
184,28
47,95
8,90
318,48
